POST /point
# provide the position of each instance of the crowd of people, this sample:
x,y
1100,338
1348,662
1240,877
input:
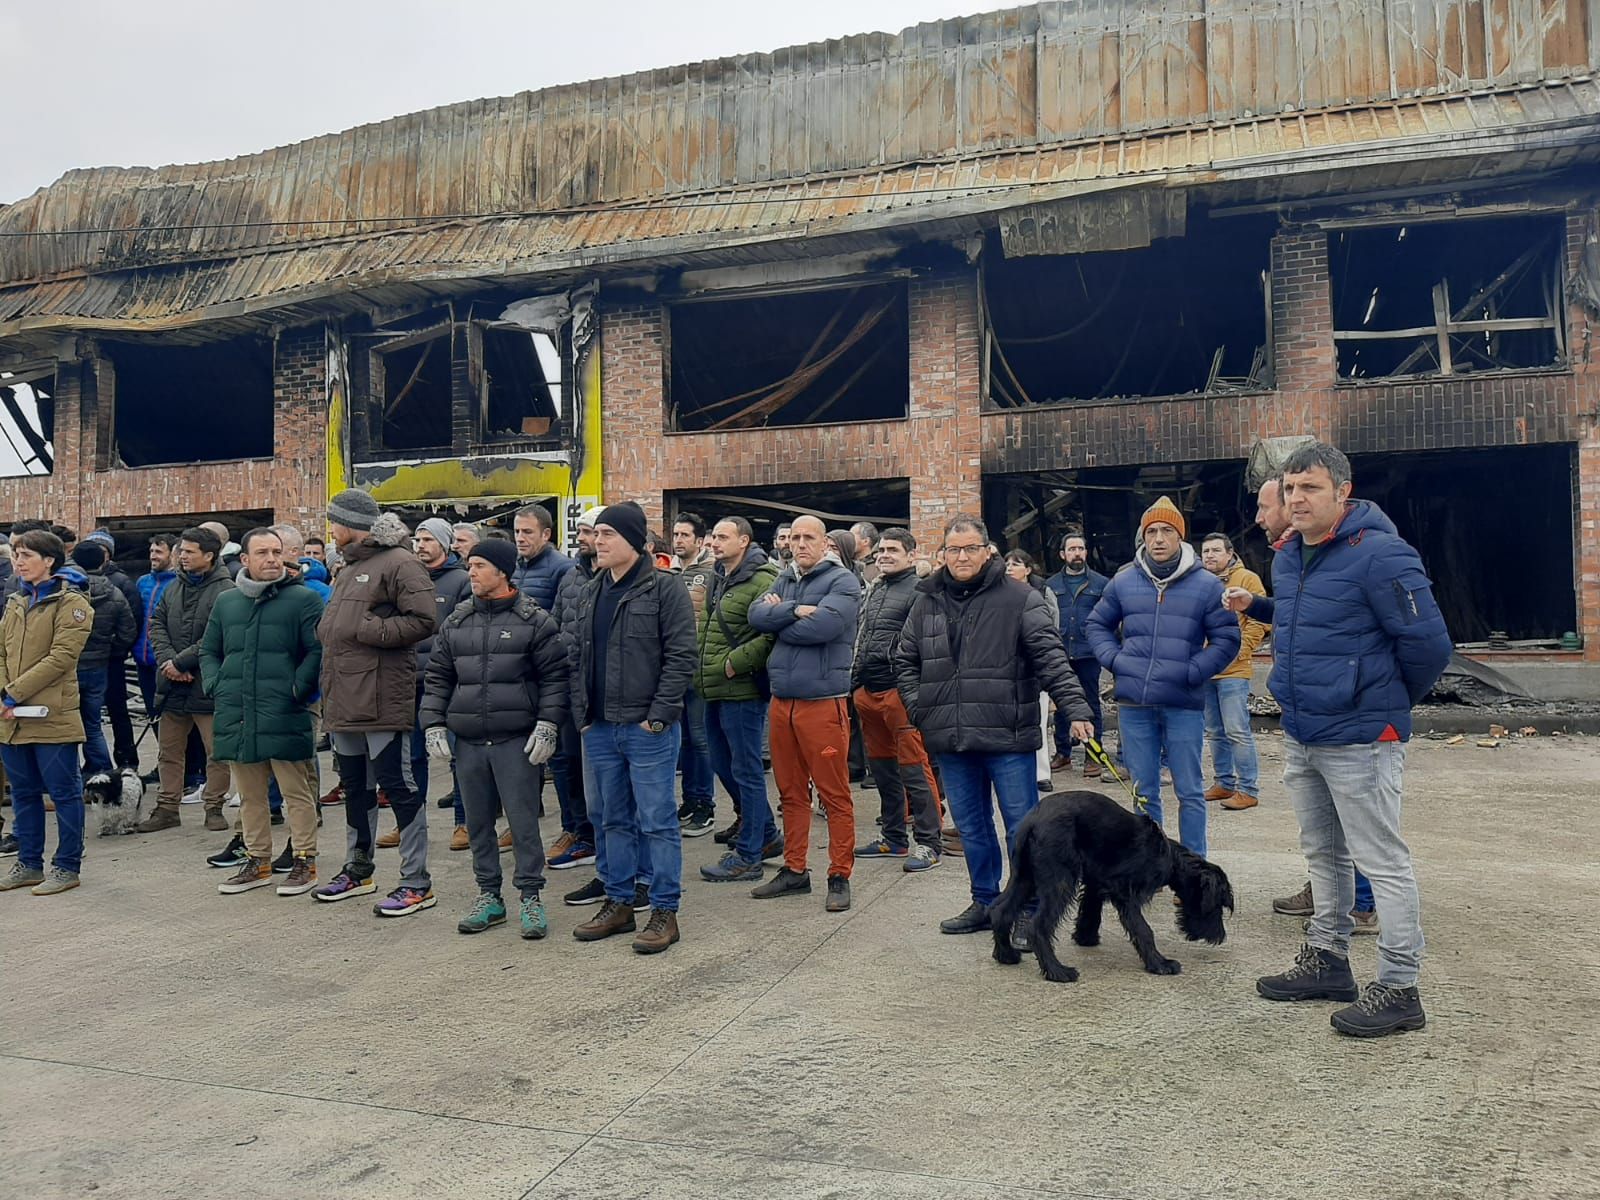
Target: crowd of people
x,y
640,672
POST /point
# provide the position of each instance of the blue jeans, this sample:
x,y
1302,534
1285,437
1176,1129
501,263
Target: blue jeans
x,y
92,708
34,770
1233,745
967,780
733,728
1150,731
628,775
1088,672
699,785
567,771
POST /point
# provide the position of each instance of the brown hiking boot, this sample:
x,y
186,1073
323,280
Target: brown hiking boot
x,y
159,819
256,872
1217,792
612,919
1297,905
1240,801
1060,763
215,821
459,839
301,879
660,933
1091,769
390,840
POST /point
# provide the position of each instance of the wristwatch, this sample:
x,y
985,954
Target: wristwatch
x,y
658,726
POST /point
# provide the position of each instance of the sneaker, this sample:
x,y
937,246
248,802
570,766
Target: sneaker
x,y
972,919
659,933
592,892
234,800
487,910
159,819
153,775
21,877
57,881
1240,801
726,837
784,883
459,839
1046,786
838,894
215,821
1022,933
535,924
232,855
284,863
505,842
641,898
685,811
383,798
345,885
1297,905
1381,1010
577,854
195,796
732,869
869,784
612,919
921,858
1316,975
445,802
698,825
773,850
256,873
403,901
336,796
560,846
882,849
275,817
302,878
8,846
388,841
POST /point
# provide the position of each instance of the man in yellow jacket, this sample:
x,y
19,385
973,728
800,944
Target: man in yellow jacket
x,y
1233,746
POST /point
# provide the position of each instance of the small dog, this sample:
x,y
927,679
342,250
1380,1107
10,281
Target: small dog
x,y
1118,857
112,799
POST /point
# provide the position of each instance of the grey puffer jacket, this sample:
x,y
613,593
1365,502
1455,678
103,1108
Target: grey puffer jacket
x,y
883,615
498,668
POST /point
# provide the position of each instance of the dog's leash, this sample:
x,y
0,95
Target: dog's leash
x,y
1097,752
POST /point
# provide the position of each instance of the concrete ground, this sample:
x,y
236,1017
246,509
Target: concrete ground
x,y
157,1039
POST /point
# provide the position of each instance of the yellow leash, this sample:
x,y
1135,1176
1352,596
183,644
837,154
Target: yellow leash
x,y
1097,752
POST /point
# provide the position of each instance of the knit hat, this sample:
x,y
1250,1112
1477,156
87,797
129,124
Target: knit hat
x,y
591,516
502,556
89,554
627,519
438,530
353,509
1163,512
103,536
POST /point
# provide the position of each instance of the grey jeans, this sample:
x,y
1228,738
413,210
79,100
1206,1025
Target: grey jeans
x,y
493,778
1347,800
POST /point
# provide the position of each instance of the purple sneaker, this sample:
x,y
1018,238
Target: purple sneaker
x,y
344,885
404,900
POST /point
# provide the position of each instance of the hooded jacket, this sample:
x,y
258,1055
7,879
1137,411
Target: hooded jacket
x,y
1076,596
114,631
810,658
451,586
538,578
498,668
884,610
1358,637
259,660
650,650
315,576
151,587
1161,639
176,627
725,616
42,633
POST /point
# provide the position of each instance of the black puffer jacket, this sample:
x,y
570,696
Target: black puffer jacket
x,y
972,660
114,629
650,651
566,606
497,668
883,615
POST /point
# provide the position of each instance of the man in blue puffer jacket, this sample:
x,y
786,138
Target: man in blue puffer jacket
x,y
540,566
1161,630
1358,640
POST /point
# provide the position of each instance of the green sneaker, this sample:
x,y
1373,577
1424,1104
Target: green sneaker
x,y
534,923
487,910
20,877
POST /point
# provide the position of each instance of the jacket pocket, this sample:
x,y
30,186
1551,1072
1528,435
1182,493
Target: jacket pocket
x,y
352,694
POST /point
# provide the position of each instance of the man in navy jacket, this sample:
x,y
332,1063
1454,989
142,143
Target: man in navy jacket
x,y
1358,640
1078,589
1161,631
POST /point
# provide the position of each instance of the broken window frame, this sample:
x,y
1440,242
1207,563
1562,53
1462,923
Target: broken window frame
x,y
111,416
378,377
558,390
38,442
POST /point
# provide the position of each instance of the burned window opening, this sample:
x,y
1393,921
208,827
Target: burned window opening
x,y
28,422
830,355
411,378
884,502
186,404
521,383
1181,316
1448,298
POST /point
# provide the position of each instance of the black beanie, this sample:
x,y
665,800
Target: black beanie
x,y
90,555
627,519
498,554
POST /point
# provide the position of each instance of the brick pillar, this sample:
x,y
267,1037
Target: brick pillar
x,y
1583,332
943,453
300,428
632,406
1302,311
59,496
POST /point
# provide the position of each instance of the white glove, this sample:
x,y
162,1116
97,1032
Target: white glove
x,y
541,743
438,743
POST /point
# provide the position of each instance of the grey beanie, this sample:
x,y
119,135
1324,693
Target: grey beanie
x,y
439,531
353,509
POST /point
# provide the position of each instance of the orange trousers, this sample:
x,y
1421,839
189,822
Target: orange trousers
x,y
889,733
810,743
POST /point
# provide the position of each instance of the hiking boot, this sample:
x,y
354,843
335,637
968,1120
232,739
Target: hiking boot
x,y
1316,975
1297,905
726,837
641,898
1060,762
1091,769
972,919
1381,1010
1217,792
773,850
459,839
952,841
577,854
284,863
57,881
732,869
403,901
784,883
592,892
612,919
1240,801
838,894
388,841
215,821
1366,922
351,881
487,910
659,933
882,849
921,858
535,924
302,878
232,855
159,819
21,877
505,841
698,825
256,873
1022,933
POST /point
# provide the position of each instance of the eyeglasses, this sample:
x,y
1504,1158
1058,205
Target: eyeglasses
x,y
964,551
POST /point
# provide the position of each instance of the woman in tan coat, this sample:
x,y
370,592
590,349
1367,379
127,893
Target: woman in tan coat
x,y
42,633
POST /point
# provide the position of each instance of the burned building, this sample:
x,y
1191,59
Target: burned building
x,y
1044,263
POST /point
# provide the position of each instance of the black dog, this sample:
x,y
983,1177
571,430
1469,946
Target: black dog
x,y
1119,857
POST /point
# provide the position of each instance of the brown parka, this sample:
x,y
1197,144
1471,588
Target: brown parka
x,y
39,649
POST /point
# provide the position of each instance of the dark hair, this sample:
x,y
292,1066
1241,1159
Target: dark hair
x,y
658,544
1318,454
785,525
18,527
208,542
694,521
966,523
498,535
62,532
1218,537
898,533
163,539
540,514
740,526
1073,531
316,541
259,531
45,544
